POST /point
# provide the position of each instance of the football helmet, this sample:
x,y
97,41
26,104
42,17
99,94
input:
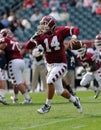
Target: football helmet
x,y
82,51
97,42
6,33
47,24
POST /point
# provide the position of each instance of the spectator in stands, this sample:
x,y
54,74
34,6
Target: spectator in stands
x,y
54,13
20,27
79,3
72,2
54,3
63,4
45,4
11,16
13,21
28,4
96,7
64,15
36,16
25,23
87,3
4,21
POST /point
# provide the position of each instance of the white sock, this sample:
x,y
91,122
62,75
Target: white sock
x,y
48,102
72,99
16,96
2,92
26,96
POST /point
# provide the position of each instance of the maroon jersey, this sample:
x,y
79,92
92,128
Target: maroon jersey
x,y
53,44
88,60
12,49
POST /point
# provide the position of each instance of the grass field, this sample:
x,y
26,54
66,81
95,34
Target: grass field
x,y
63,115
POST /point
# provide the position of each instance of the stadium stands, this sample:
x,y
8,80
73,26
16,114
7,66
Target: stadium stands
x,y
82,17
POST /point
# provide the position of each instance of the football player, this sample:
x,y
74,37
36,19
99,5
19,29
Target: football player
x,y
15,62
51,39
89,60
97,44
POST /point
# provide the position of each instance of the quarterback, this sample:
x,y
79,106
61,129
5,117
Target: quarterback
x,y
50,40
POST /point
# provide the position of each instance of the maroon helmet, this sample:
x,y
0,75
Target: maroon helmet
x,y
47,24
97,42
6,33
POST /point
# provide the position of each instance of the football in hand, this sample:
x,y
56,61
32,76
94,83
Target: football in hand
x,y
77,44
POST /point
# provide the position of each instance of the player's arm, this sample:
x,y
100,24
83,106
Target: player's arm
x,y
32,43
74,32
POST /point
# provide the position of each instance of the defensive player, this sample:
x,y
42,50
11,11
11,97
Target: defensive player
x,y
89,60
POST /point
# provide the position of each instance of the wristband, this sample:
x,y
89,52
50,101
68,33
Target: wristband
x,y
74,37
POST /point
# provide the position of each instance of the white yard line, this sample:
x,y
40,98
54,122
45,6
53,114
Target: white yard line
x,y
63,120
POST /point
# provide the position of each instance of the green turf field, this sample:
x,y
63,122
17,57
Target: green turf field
x,y
63,115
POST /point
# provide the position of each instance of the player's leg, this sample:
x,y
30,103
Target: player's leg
x,y
16,68
14,98
2,87
67,86
87,78
65,93
97,76
55,79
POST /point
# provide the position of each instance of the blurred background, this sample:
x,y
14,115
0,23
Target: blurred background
x,y
23,16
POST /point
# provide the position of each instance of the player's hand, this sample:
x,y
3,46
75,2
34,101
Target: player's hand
x,y
72,41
